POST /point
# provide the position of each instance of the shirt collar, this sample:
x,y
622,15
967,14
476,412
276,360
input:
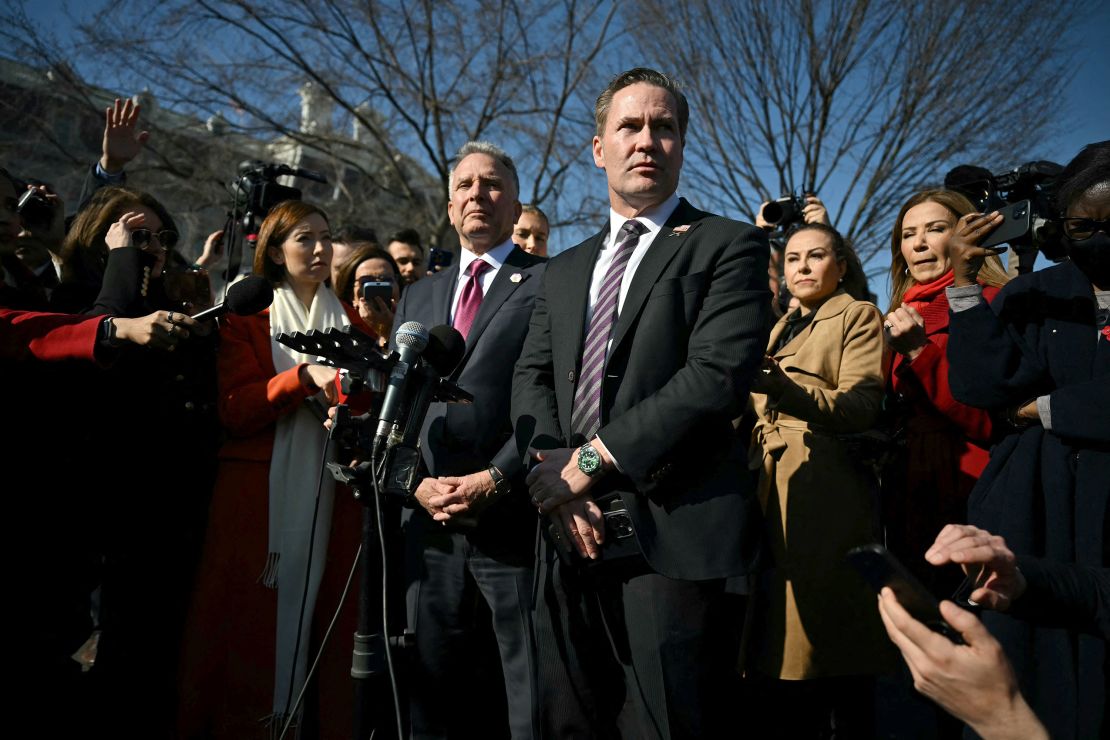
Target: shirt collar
x,y
652,218
495,257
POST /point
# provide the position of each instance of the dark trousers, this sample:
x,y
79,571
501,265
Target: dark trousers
x,y
627,653
468,607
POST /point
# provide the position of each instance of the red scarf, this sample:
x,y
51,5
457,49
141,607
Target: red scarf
x,y
924,293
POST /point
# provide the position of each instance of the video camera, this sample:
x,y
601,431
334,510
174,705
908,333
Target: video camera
x,y
1034,182
256,190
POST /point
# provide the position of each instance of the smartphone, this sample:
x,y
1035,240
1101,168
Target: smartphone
x,y
620,537
1017,218
879,568
370,289
439,259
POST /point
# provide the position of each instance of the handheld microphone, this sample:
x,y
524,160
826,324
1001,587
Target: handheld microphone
x,y
411,339
248,296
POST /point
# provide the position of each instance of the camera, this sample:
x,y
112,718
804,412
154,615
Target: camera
x,y
1032,181
256,190
35,211
784,212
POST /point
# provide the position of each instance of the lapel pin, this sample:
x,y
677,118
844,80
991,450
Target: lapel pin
x,y
680,229
515,277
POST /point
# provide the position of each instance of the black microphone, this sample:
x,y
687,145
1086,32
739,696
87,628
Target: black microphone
x,y
444,351
411,339
248,296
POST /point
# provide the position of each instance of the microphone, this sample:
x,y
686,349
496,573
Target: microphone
x,y
248,296
444,351
401,467
411,339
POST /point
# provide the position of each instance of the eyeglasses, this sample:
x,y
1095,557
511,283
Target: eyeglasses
x,y
1084,228
166,238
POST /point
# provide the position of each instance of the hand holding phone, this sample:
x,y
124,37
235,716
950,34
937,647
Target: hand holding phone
x,y
881,569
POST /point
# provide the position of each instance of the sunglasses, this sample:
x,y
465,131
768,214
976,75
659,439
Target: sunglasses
x,y
1084,228
165,238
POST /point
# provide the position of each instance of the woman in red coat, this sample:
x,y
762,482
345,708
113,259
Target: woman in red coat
x,y
247,649
946,442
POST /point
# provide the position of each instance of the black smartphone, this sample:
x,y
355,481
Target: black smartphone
x,y
620,537
439,259
879,568
370,289
1016,222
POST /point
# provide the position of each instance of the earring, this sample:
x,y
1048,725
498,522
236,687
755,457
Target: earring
x,y
841,280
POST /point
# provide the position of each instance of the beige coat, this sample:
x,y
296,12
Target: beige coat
x,y
815,617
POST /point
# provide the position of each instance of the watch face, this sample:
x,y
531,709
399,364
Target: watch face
x,y
588,460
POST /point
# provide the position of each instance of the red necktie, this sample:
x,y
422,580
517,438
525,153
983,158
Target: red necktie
x,y
471,299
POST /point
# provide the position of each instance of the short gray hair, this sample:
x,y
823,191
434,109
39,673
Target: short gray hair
x,y
490,150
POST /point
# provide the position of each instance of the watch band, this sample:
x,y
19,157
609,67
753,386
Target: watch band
x,y
501,484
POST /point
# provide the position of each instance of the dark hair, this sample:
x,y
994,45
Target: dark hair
x,y
1089,168
632,77
275,229
529,208
855,281
84,249
345,281
407,236
348,234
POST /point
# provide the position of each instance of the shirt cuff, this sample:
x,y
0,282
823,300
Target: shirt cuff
x,y
1044,410
112,177
605,451
964,297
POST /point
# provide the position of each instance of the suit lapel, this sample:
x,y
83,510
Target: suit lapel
x,y
442,295
574,292
503,286
666,245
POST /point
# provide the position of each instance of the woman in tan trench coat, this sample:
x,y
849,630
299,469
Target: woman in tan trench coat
x,y
817,641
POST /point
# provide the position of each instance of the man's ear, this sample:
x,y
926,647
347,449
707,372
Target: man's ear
x,y
599,153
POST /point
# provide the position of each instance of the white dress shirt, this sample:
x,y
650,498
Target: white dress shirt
x,y
653,219
494,258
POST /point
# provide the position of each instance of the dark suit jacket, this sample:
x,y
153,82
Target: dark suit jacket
x,y
458,439
689,337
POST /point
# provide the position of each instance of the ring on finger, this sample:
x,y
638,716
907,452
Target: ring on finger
x,y
170,316
888,326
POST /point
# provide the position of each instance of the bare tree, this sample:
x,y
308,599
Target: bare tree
x,y
863,101
388,90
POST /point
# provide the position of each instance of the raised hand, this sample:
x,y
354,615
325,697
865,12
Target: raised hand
x,y
122,142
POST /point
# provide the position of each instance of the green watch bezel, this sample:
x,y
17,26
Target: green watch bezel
x,y
589,460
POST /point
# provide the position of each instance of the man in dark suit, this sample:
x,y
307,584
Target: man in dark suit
x,y
641,350
472,539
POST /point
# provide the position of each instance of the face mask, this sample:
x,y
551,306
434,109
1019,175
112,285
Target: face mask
x,y
1092,256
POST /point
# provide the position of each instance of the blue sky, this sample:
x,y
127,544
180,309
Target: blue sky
x,y
1084,118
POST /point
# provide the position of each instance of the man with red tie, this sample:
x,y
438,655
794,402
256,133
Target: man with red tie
x,y
470,538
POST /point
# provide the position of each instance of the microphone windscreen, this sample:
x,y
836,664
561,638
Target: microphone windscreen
x,y
249,296
412,335
446,347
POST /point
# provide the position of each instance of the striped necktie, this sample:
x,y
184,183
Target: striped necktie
x,y
586,413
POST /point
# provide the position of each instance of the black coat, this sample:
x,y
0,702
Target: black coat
x,y
688,340
1045,491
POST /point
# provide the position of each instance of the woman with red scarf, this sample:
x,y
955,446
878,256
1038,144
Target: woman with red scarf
x,y
946,442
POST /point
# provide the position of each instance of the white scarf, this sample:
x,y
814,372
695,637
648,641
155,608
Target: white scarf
x,y
299,442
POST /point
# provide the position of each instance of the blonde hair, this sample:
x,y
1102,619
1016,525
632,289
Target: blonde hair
x,y
992,272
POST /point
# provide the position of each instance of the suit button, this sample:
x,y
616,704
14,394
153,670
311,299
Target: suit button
x,y
570,376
